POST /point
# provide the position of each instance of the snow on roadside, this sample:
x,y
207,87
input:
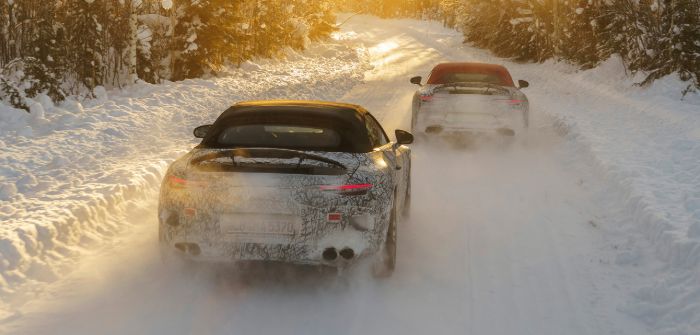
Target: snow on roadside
x,y
646,141
68,172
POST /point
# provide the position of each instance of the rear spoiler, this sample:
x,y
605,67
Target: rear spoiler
x,y
487,86
268,153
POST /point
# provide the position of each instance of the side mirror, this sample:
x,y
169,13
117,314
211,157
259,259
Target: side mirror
x,y
416,80
403,137
523,83
201,131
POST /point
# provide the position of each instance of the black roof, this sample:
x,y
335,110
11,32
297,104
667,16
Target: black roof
x,y
311,108
347,119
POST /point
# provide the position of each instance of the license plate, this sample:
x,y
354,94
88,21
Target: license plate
x,y
472,121
264,228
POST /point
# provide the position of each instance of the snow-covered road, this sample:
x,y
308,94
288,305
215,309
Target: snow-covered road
x,y
517,240
498,243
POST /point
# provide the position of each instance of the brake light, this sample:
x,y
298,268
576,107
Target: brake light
x,y
189,211
512,102
426,98
179,183
176,182
349,189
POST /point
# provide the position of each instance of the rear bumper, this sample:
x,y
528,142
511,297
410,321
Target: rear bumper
x,y
509,124
437,130
201,239
200,250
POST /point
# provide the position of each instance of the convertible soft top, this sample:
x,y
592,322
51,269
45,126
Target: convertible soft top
x,y
441,71
349,112
345,119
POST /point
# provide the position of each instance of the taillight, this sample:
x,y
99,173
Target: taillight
x,y
350,189
512,102
189,211
180,183
426,98
176,182
335,217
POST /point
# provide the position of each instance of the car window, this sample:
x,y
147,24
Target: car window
x,y
280,136
376,133
462,77
286,127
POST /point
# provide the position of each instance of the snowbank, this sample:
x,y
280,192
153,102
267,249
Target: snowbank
x,y
68,172
647,142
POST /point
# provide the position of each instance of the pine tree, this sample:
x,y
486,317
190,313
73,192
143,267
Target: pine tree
x,y
511,28
154,42
206,36
85,37
678,47
452,12
7,23
36,64
579,38
132,8
318,17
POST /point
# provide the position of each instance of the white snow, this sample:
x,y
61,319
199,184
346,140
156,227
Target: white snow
x,y
65,169
590,226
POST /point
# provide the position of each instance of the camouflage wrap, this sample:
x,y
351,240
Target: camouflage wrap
x,y
233,216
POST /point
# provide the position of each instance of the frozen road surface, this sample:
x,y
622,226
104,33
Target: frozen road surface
x,y
502,240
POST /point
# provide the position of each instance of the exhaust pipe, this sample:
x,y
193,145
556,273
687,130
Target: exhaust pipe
x,y
330,254
347,253
189,248
433,129
506,132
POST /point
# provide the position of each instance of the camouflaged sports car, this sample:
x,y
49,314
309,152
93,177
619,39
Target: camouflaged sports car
x,y
302,182
469,98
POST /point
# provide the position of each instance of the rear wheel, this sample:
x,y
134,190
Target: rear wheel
x,y
414,115
386,262
413,123
169,256
406,210
526,119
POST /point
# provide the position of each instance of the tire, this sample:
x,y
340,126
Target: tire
x,y
526,119
169,256
386,260
414,115
413,123
406,209
166,254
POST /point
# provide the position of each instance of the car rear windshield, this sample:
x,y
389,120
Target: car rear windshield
x,y
292,129
484,73
279,136
471,78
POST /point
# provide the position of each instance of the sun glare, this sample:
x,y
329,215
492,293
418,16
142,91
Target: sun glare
x,y
384,47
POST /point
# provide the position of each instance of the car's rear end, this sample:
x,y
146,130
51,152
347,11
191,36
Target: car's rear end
x,y
293,187
470,98
471,107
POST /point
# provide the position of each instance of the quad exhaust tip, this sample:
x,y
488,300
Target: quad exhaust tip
x,y
330,254
347,253
506,132
189,248
433,129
